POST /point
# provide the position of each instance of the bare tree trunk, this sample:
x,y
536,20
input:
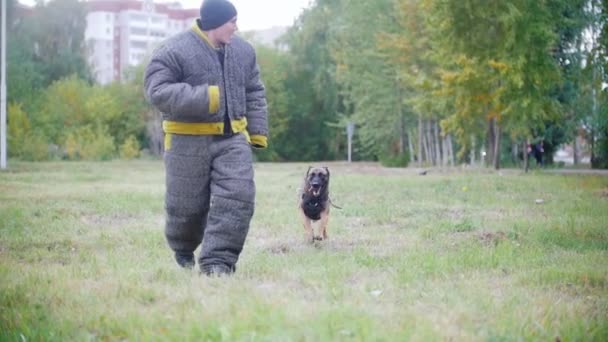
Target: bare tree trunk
x,y
337,141
428,157
490,140
450,150
401,135
431,137
473,148
496,145
444,148
420,140
409,145
427,149
592,145
575,156
437,143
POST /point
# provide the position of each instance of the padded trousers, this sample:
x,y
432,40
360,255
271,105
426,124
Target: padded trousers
x,y
209,199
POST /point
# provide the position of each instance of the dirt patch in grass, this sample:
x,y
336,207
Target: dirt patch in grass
x,y
377,245
281,248
492,238
486,238
356,222
452,214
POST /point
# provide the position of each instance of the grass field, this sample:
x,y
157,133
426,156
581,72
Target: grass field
x,y
453,255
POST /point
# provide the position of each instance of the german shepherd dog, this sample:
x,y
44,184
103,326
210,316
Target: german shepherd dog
x,y
314,202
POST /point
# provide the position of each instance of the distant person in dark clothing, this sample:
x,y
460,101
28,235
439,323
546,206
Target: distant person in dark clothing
x,y
537,151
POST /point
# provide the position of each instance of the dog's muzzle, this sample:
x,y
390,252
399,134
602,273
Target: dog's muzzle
x,y
315,188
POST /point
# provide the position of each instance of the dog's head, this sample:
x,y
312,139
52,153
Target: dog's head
x,y
317,180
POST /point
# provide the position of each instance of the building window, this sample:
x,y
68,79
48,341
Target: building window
x,y
138,30
138,44
138,17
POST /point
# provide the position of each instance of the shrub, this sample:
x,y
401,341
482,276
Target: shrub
x,y
23,143
36,148
400,160
130,148
89,143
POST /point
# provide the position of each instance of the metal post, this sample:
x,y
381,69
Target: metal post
x,y
350,130
3,91
349,148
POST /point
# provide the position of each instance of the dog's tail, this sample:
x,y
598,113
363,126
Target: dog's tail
x,y
333,205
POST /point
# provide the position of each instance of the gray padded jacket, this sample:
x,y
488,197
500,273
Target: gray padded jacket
x,y
183,77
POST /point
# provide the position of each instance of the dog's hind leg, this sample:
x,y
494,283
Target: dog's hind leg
x,y
307,227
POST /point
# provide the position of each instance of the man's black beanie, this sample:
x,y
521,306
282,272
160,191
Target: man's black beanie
x,y
215,13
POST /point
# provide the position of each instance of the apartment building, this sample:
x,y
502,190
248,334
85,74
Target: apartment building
x,y
122,33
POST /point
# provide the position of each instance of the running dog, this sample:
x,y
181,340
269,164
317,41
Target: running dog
x,y
314,202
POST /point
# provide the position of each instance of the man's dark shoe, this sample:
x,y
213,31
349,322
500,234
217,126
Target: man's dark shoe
x,y
217,270
185,260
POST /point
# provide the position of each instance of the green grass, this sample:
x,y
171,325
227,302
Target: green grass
x,y
453,255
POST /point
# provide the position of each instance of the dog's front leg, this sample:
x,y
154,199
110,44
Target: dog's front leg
x,y
324,222
307,227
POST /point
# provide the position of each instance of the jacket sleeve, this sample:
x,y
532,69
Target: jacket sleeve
x,y
178,100
257,110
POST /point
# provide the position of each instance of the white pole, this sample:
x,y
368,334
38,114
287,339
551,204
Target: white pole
x,y
3,91
350,129
349,148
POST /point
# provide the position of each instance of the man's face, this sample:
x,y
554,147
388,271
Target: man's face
x,y
225,32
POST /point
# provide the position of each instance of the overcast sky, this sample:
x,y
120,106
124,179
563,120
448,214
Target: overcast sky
x,y
253,14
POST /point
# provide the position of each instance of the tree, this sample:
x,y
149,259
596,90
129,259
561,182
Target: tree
x,y
596,122
24,74
313,94
57,31
274,70
371,83
504,70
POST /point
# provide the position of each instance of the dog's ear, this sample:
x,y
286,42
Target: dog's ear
x,y
326,170
308,171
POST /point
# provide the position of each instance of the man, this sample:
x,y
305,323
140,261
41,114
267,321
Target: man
x,y
206,82
537,151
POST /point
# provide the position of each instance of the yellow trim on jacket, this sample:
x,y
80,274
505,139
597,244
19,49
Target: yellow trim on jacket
x,y
203,128
211,128
259,141
203,35
214,99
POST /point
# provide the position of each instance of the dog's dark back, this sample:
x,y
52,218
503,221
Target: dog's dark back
x,y
315,195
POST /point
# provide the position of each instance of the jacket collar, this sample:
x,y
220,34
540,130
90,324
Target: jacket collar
x,y
202,35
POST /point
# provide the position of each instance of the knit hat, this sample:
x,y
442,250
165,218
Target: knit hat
x,y
215,13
